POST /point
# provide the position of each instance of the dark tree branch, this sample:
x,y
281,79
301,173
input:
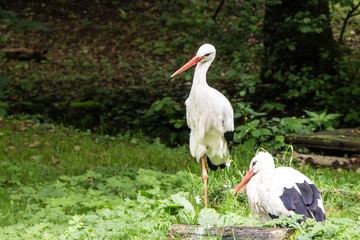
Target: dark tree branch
x,y
355,14
218,9
348,16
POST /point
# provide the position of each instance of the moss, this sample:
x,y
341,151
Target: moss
x,y
85,105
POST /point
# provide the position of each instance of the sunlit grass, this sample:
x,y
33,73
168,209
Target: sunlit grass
x,y
55,180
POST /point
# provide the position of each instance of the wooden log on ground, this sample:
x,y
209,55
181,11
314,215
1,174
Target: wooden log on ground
x,y
24,54
187,231
331,161
340,139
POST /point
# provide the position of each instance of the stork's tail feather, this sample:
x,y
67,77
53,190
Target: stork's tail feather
x,y
214,167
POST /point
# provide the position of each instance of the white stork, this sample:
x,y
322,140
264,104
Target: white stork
x,y
283,191
209,115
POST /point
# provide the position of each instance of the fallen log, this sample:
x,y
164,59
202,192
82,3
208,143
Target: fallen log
x,y
331,161
187,231
24,54
340,139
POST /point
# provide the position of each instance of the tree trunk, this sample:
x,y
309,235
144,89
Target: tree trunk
x,y
299,47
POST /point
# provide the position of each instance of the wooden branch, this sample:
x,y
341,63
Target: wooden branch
x,y
187,231
18,51
218,9
355,14
24,54
348,16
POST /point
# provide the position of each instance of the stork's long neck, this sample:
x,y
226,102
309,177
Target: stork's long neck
x,y
200,74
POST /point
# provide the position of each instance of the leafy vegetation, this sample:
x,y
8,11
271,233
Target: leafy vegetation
x,y
59,183
110,70
107,69
257,130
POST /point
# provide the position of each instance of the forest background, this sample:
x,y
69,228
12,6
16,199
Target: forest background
x,y
106,65
93,135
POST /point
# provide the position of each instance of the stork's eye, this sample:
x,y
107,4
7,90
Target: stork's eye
x,y
254,163
208,54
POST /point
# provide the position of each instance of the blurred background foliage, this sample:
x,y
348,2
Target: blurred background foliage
x,y
106,65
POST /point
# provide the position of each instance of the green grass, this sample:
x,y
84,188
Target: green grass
x,y
60,183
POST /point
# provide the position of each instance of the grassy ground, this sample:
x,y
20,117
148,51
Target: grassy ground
x,y
59,183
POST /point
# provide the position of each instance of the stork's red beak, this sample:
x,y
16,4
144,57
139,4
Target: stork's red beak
x,y
246,178
189,64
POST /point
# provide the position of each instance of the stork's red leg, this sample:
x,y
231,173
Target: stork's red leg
x,y
205,176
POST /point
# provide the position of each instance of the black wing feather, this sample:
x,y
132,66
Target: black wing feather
x,y
229,137
307,194
305,202
293,201
319,214
214,167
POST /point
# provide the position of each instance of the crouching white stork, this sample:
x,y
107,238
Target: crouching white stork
x,y
209,115
283,191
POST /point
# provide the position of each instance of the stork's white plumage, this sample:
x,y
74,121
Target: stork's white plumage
x,y
283,191
209,115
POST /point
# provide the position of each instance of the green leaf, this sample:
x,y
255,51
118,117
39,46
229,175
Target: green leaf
x,y
255,123
122,13
188,76
91,219
332,116
4,81
279,138
305,29
265,131
311,114
158,106
208,217
180,199
237,115
318,30
231,73
3,111
306,20
255,133
173,209
243,76
291,47
242,128
268,73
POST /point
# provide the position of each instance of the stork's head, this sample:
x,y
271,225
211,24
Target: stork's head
x,y
262,162
206,53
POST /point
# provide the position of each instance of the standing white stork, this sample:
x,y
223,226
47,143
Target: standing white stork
x,y
283,191
209,115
